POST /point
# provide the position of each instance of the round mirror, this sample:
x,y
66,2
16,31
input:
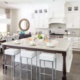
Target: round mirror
x,y
24,24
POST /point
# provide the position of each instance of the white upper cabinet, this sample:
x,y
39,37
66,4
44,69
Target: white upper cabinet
x,y
69,20
72,11
42,14
36,20
76,20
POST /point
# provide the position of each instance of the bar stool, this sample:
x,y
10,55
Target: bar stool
x,y
10,52
49,58
27,55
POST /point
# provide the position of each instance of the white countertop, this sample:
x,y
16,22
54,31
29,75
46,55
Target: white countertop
x,y
63,45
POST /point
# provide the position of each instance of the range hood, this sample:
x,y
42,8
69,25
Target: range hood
x,y
57,20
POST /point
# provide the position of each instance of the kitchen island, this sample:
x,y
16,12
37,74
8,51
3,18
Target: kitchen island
x,y
62,49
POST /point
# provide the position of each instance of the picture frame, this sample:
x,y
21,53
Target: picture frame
x,y
36,11
40,11
45,10
69,8
76,8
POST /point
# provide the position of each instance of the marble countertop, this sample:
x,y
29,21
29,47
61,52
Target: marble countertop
x,y
63,45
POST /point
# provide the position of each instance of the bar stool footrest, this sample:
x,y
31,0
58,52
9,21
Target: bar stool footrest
x,y
46,74
8,66
26,69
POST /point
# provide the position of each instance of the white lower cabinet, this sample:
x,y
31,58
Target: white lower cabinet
x,y
75,43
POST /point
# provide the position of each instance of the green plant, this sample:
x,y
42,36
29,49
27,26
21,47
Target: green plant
x,y
40,36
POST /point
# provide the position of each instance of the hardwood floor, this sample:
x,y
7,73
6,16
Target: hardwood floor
x,y
73,75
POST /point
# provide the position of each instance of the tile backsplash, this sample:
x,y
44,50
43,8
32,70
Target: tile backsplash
x,y
43,30
74,32
59,28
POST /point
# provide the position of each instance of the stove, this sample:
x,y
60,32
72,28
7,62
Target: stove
x,y
55,35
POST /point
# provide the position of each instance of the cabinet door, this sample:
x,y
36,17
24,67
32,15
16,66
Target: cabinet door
x,y
76,20
46,23
69,20
72,15
41,20
46,20
36,20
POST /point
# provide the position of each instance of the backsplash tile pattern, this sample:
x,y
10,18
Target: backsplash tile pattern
x,y
74,32
59,28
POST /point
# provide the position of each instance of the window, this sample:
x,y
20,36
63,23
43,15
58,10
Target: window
x,y
69,8
36,11
76,8
3,26
40,11
45,10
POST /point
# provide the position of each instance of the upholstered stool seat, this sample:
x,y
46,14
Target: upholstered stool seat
x,y
47,56
28,54
11,51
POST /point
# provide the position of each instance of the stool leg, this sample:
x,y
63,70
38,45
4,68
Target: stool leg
x,y
31,69
36,65
0,50
40,70
55,69
4,66
27,68
20,68
13,60
44,70
14,67
52,70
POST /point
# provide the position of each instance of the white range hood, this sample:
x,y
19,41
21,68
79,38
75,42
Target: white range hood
x,y
57,20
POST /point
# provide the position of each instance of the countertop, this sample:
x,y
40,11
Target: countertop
x,y
63,45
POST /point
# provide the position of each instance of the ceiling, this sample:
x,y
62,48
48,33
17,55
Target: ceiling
x,y
12,4
25,1
19,3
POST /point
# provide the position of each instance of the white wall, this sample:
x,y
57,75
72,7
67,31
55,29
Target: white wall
x,y
14,20
26,13
3,20
2,11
